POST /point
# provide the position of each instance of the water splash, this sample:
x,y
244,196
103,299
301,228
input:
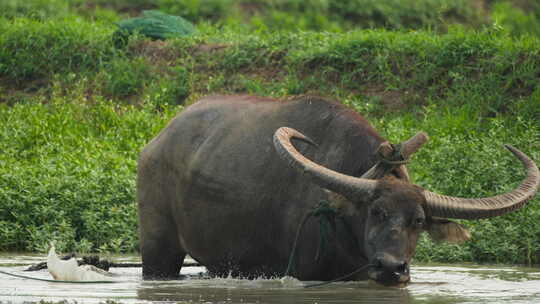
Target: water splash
x,y
290,282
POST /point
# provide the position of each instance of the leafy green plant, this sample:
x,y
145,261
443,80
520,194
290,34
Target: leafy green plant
x,y
173,89
153,24
67,173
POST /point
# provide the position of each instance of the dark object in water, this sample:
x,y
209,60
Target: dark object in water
x,y
99,263
43,265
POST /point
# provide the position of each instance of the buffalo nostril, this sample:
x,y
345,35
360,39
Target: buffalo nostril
x,y
403,268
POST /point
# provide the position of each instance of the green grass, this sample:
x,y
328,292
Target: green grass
x,y
76,111
517,21
35,9
31,49
516,17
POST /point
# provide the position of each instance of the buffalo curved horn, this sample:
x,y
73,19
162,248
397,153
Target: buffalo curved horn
x,y
349,186
477,208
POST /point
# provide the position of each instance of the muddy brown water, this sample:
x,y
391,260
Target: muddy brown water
x,y
442,284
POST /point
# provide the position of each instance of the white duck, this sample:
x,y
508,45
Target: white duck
x,y
71,271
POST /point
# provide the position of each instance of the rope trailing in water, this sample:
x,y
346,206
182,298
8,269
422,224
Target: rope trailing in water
x,y
290,265
326,215
55,281
360,269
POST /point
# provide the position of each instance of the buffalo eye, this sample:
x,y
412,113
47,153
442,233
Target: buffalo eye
x,y
419,222
379,214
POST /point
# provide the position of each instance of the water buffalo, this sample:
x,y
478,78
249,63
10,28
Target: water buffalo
x,y
224,183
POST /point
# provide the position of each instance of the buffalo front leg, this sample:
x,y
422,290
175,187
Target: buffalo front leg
x,y
161,251
162,255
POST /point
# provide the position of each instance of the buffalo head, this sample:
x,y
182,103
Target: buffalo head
x,y
396,211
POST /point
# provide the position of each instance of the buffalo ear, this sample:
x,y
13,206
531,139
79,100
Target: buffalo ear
x,y
340,203
441,229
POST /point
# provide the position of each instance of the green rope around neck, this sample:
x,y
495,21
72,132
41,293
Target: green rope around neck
x,y
327,223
